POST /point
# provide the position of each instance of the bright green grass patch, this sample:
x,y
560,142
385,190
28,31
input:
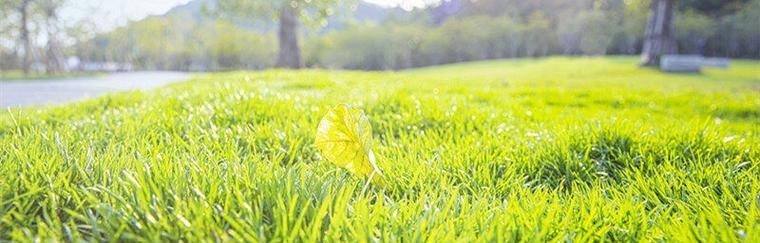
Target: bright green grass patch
x,y
533,149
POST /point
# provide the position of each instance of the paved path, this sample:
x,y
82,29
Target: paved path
x,y
37,92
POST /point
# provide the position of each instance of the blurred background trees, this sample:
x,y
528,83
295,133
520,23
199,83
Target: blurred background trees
x,y
30,35
366,36
287,13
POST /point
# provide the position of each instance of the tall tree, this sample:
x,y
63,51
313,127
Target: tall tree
x,y
8,34
659,35
54,55
290,53
289,14
23,8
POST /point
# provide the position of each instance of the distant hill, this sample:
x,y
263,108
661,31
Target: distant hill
x,y
363,12
192,9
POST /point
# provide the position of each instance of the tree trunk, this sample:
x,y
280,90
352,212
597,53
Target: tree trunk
x,y
289,53
54,59
659,33
25,39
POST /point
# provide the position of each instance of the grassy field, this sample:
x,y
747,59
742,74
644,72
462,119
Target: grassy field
x,y
531,150
17,75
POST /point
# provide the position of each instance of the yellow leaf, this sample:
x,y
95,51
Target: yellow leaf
x,y
344,137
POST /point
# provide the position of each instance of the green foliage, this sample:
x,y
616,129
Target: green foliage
x,y
181,43
235,48
388,47
693,30
738,34
361,48
489,29
244,35
555,149
630,28
597,32
484,29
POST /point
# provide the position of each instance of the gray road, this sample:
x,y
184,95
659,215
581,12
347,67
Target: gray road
x,y
38,92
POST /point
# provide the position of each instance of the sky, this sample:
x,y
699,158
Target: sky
x,y
107,14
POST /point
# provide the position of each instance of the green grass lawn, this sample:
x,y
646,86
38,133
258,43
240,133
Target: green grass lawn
x,y
16,75
533,149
